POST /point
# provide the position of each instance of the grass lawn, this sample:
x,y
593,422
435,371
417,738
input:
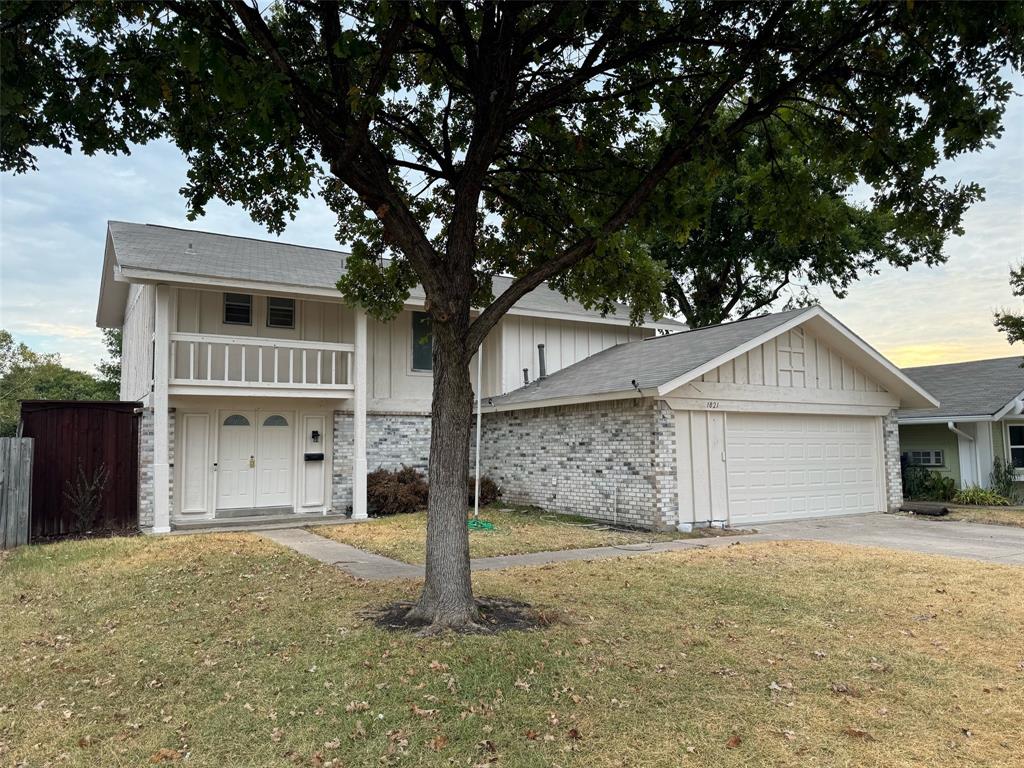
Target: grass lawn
x,y
517,530
227,650
992,515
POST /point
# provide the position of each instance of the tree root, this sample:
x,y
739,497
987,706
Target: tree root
x,y
493,615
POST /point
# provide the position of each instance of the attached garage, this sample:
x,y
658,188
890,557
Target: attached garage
x,y
785,466
780,417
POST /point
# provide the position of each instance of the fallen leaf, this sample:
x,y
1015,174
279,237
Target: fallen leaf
x,y
531,734
439,742
165,755
357,706
276,735
574,734
844,689
857,733
85,741
359,731
420,712
734,741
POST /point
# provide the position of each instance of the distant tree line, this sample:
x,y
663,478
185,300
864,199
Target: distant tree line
x,y
29,375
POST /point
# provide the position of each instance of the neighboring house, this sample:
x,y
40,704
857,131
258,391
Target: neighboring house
x,y
265,394
979,420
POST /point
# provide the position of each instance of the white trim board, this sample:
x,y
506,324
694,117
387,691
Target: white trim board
x,y
415,301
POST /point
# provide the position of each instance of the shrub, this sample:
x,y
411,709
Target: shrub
x,y
84,495
394,492
490,492
974,494
924,485
1003,477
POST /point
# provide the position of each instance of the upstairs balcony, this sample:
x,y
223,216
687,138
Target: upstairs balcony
x,y
213,364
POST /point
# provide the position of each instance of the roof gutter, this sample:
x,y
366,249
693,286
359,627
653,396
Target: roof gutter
x,y
912,421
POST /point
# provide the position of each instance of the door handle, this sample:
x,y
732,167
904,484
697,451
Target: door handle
x,y
252,462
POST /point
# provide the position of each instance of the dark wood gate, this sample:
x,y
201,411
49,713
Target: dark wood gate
x,y
76,440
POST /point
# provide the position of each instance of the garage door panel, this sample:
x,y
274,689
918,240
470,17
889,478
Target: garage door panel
x,y
786,466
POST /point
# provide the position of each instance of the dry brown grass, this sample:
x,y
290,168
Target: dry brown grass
x,y
1012,516
517,531
231,651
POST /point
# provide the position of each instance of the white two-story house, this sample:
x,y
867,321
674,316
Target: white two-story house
x,y
265,394
265,397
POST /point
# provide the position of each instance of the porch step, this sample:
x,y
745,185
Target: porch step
x,y
289,520
253,512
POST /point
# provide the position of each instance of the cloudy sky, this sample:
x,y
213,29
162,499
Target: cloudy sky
x,y
52,227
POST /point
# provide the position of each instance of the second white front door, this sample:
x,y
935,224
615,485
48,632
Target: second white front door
x,y
255,460
275,457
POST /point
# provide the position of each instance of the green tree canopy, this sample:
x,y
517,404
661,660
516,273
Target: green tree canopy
x,y
28,375
783,217
462,140
1009,322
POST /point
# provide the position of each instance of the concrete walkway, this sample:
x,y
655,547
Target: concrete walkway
x,y
972,541
371,567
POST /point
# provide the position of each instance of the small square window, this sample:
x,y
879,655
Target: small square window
x,y
280,312
422,342
237,309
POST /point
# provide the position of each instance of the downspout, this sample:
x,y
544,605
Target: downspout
x,y
479,396
953,428
960,433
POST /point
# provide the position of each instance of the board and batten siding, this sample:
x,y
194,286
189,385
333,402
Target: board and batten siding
x,y
137,342
793,373
200,311
795,358
565,342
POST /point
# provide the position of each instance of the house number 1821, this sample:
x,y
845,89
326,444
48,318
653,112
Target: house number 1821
x,y
712,404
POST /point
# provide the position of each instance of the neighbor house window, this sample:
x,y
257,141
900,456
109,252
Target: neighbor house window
x,y
926,458
422,342
237,309
280,313
1017,445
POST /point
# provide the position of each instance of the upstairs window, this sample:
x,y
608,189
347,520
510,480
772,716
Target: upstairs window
x,y
280,312
237,309
422,342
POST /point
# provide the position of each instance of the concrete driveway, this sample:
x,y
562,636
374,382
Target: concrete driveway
x,y
973,541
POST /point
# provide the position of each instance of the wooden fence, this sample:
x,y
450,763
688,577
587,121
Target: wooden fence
x,y
15,490
82,445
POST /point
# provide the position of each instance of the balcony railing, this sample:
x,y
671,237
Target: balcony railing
x,y
242,361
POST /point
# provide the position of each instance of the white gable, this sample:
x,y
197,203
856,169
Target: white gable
x,y
795,358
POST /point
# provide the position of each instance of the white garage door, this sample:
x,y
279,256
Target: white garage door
x,y
784,467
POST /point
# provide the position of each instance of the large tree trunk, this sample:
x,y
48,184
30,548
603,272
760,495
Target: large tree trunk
x,y
447,598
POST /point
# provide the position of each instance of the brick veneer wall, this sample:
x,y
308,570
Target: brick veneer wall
x,y
611,461
146,469
891,453
146,454
392,439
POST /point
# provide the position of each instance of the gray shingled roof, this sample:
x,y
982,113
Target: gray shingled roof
x,y
651,362
976,388
225,257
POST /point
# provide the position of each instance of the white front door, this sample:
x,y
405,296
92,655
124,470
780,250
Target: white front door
x,y
236,460
275,458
